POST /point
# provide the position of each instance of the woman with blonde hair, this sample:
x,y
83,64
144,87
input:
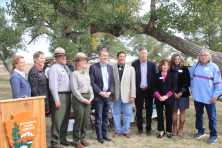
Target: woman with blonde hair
x,y
181,95
20,85
83,96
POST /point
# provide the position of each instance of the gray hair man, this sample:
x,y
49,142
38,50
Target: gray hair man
x,y
206,87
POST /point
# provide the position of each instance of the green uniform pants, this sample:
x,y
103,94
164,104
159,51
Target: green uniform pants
x,y
60,120
81,116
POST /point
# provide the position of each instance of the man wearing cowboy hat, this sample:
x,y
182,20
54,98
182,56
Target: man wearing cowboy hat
x,y
47,65
59,85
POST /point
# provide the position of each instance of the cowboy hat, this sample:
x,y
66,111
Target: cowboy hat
x,y
59,51
81,55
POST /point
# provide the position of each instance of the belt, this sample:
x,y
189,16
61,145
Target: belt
x,y
64,92
144,88
85,93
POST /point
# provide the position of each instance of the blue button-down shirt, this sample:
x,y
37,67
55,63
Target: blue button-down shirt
x,y
105,76
205,82
143,68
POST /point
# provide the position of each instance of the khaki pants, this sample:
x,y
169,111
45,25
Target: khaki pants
x,y
81,116
60,120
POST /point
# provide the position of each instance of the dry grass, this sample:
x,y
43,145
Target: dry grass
x,y
141,141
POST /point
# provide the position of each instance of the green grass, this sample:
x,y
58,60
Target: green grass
x,y
141,141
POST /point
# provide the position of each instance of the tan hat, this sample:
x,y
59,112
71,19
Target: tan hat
x,y
59,51
48,59
81,55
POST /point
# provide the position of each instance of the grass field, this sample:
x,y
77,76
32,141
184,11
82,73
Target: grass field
x,y
140,141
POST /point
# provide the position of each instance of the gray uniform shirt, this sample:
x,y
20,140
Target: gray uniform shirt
x,y
80,83
58,80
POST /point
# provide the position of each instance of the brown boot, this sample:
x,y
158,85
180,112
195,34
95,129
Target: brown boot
x,y
79,146
116,135
85,143
181,128
127,135
175,127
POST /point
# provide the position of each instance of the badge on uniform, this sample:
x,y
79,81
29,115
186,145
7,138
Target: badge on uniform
x,y
180,71
161,77
63,71
207,69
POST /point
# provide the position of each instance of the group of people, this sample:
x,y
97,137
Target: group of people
x,y
123,85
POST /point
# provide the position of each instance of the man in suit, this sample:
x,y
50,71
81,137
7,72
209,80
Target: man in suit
x,y
145,76
124,94
102,81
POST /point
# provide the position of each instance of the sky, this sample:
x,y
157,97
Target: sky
x,y
42,44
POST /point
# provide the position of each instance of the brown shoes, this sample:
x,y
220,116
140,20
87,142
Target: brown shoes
x,y
116,135
79,146
127,135
85,143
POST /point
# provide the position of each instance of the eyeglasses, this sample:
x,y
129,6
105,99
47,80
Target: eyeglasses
x,y
205,55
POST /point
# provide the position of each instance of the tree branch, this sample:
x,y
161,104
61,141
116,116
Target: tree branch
x,y
66,12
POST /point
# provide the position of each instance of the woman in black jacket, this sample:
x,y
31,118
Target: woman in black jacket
x,y
182,93
165,85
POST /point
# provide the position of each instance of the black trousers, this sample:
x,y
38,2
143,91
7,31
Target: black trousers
x,y
141,95
160,119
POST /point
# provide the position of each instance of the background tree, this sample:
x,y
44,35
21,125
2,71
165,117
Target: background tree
x,y
121,18
157,50
10,40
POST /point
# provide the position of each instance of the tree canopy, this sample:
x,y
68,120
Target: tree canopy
x,y
121,17
10,40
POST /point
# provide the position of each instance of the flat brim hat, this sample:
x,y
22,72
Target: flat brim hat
x,y
59,51
48,59
80,55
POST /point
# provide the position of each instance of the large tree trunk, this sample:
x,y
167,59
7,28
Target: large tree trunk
x,y
8,67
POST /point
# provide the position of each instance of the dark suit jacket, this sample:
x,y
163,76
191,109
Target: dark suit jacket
x,y
20,86
97,80
183,81
164,87
151,72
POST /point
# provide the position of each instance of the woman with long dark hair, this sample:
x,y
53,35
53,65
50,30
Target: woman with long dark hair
x,y
182,93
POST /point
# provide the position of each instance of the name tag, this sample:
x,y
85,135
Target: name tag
x,y
180,71
161,77
207,69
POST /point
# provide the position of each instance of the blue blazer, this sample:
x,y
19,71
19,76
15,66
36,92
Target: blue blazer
x,y
20,86
151,73
97,80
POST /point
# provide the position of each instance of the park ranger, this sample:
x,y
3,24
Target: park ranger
x,y
59,85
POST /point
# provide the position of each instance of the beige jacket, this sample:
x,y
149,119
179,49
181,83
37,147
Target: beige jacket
x,y
127,86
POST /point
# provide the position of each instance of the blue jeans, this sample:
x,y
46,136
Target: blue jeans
x,y
127,113
102,107
211,112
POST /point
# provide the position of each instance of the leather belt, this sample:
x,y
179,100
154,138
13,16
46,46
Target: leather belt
x,y
144,88
64,92
85,93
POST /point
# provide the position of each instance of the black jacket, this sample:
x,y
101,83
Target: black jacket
x,y
164,87
151,72
183,81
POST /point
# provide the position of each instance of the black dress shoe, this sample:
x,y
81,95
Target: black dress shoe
x,y
160,136
66,143
106,138
169,135
140,133
148,133
100,140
